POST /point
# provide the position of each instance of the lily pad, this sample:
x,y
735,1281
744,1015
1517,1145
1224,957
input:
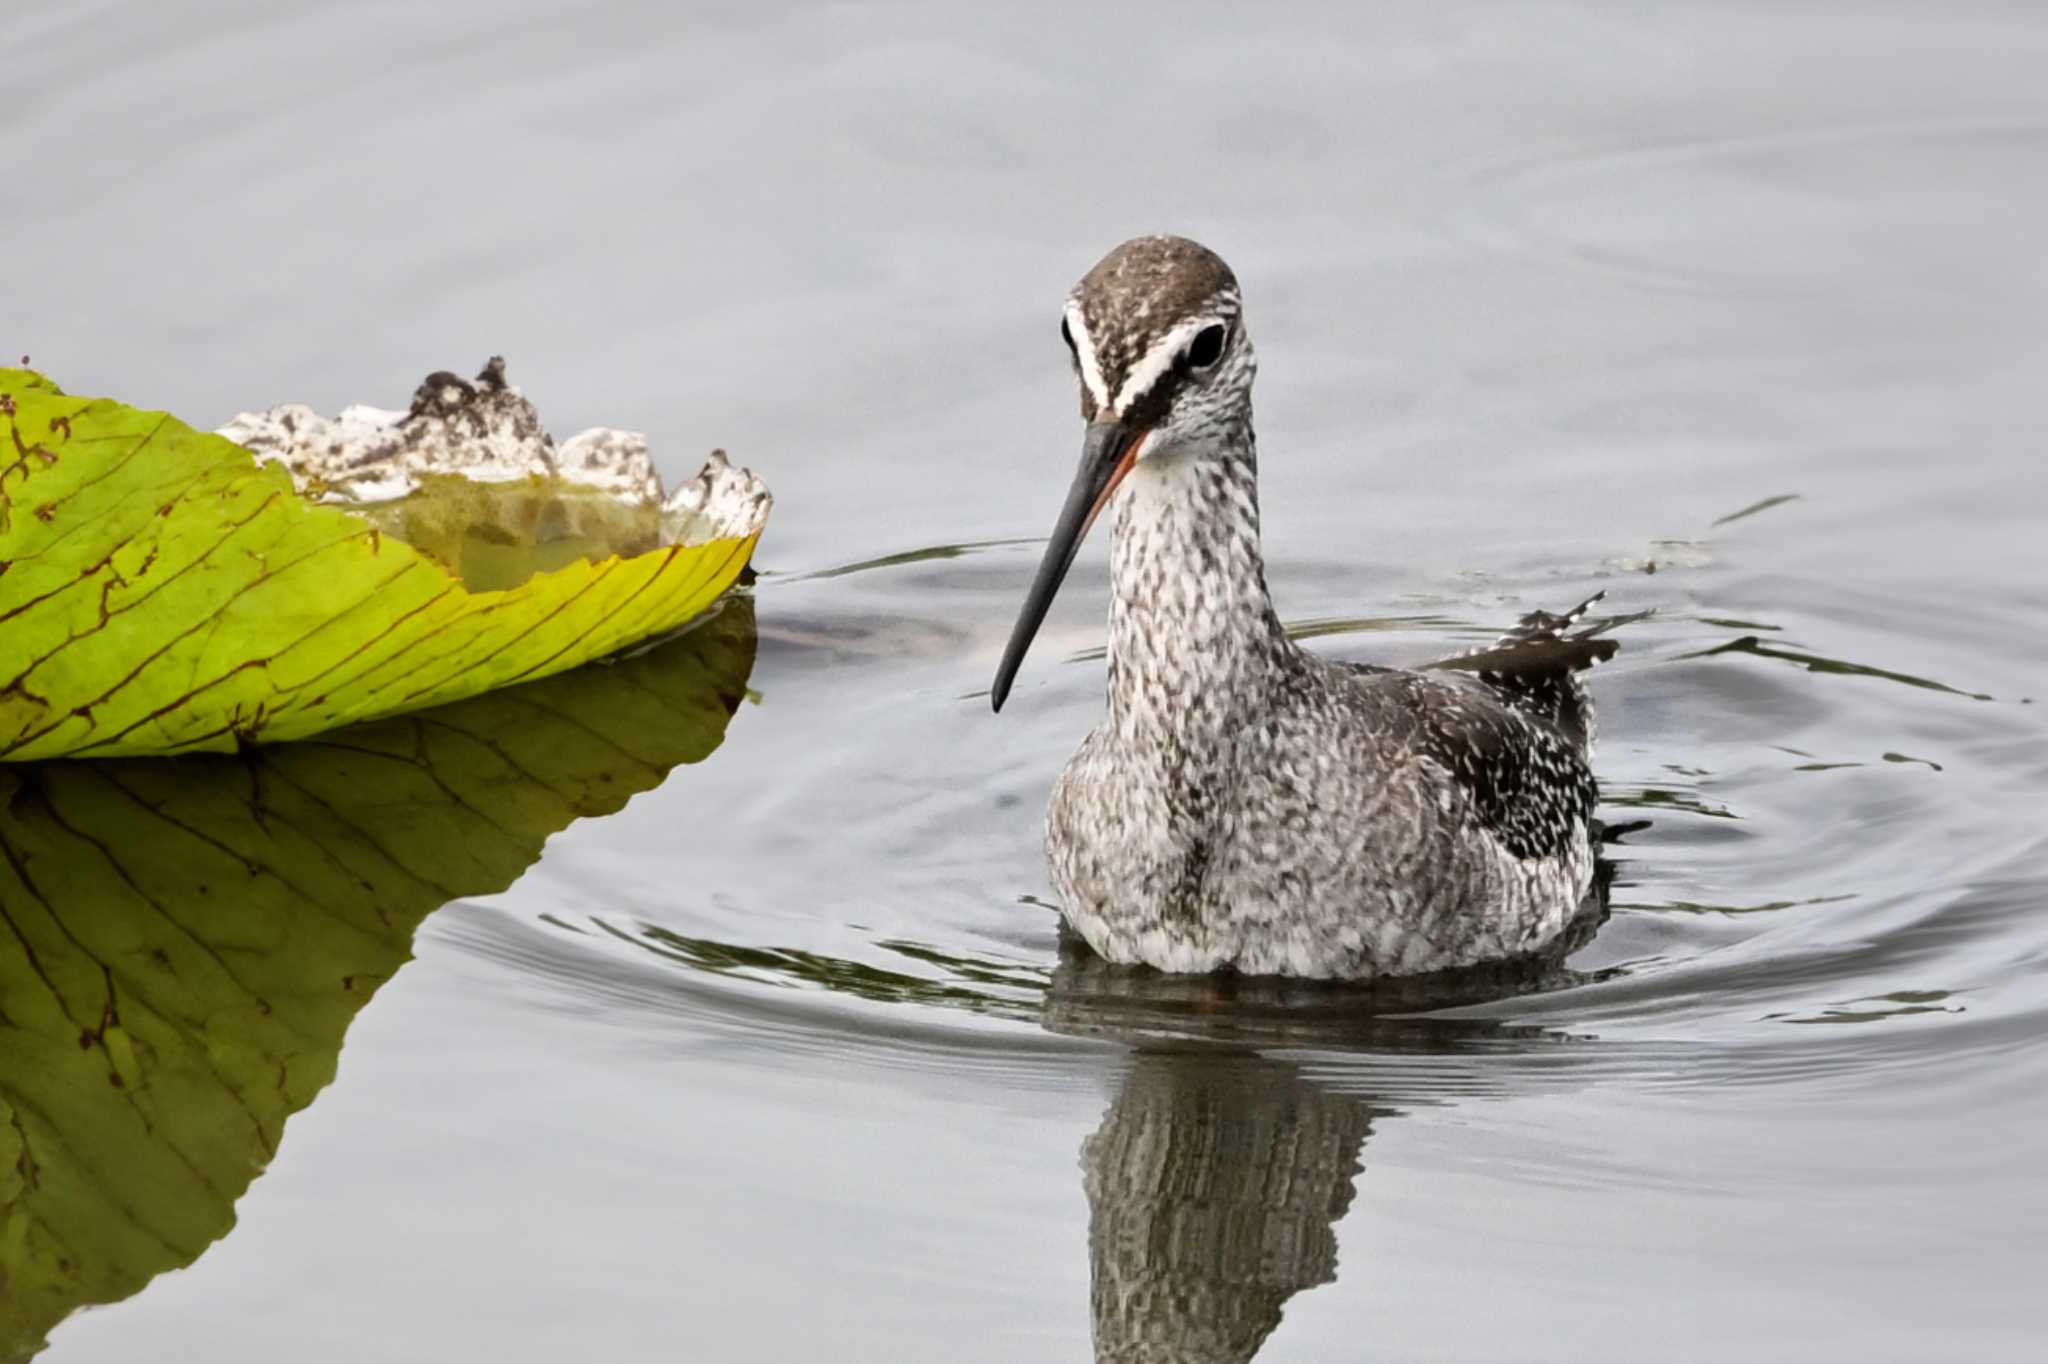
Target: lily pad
x,y
162,592
184,942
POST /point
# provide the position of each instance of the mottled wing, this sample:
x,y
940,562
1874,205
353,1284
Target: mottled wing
x,y
1528,780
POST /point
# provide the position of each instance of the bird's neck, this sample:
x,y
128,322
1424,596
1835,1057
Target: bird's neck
x,y
1192,631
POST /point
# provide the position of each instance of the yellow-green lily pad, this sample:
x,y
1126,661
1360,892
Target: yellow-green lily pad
x,y
161,592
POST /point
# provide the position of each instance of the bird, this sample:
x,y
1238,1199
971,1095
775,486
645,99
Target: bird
x,y
1246,805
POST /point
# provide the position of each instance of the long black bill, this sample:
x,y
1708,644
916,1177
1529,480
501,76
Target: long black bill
x,y
1107,453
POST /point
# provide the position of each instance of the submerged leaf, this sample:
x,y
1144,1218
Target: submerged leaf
x,y
184,942
497,535
162,593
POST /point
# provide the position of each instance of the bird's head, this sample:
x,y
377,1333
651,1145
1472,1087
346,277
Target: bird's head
x,y
1156,333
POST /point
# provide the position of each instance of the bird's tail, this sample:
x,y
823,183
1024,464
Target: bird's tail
x,y
1544,625
1535,666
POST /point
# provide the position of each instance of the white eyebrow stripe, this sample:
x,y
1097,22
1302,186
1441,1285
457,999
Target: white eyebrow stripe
x,y
1158,360
1084,351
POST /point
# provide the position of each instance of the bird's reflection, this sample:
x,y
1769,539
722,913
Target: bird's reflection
x,y
1215,1184
1217,1177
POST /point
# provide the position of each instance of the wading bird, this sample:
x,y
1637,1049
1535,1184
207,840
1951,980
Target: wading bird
x,y
1246,804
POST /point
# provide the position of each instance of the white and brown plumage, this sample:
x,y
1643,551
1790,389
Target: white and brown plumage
x,y
1246,804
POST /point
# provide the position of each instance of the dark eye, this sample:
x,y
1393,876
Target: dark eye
x,y
1207,347
1067,335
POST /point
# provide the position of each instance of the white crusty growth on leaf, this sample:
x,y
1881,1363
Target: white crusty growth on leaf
x,y
485,430
711,504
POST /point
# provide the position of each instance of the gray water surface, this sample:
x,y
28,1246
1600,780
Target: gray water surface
x,y
1737,311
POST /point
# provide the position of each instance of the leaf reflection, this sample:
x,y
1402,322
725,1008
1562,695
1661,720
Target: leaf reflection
x,y
184,942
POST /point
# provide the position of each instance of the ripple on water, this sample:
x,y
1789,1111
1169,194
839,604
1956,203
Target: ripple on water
x,y
1589,208
1833,879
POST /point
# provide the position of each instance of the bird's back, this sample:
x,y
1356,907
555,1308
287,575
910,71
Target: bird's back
x,y
1510,726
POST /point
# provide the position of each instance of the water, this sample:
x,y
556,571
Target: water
x,y
782,1060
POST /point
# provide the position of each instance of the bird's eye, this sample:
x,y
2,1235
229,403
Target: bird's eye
x,y
1207,347
1067,335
